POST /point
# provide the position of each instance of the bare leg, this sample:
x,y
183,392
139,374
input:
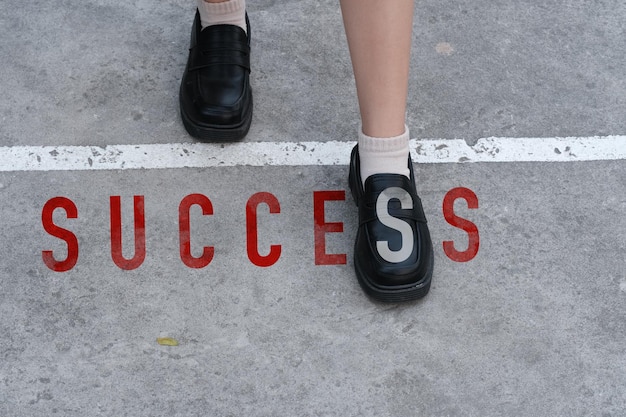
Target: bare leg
x,y
379,38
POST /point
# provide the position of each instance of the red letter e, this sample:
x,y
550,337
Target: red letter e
x,y
322,227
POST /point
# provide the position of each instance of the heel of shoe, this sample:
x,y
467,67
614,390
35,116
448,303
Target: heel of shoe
x,y
353,175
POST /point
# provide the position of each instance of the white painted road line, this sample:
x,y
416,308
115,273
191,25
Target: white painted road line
x,y
202,155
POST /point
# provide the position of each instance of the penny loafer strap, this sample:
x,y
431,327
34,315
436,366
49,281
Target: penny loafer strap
x,y
224,55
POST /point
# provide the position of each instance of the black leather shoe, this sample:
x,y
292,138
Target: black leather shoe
x,y
215,93
393,253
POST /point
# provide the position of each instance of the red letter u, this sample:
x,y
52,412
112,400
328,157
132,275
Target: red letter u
x,y
116,233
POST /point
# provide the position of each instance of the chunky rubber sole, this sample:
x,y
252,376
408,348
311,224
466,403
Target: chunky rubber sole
x,y
218,133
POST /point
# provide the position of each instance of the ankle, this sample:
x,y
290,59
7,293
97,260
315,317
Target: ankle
x,y
222,12
384,155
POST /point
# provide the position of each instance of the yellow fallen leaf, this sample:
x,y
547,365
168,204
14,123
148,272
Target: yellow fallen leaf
x,y
167,341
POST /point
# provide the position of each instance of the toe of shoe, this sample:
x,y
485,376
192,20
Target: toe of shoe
x,y
389,275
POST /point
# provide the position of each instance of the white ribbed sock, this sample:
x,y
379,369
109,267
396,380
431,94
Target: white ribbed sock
x,y
230,12
384,155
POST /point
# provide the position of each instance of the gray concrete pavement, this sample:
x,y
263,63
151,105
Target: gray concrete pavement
x,y
533,325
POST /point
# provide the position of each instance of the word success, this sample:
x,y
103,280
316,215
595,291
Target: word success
x,y
320,229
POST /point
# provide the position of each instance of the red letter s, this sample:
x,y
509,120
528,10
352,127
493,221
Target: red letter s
x,y
456,221
63,234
